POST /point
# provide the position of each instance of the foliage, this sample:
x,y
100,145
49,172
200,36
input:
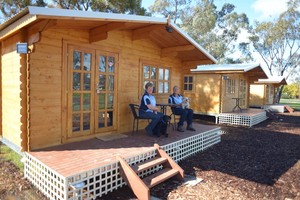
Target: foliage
x,y
216,30
8,154
291,91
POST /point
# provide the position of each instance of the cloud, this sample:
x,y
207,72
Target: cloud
x,y
269,8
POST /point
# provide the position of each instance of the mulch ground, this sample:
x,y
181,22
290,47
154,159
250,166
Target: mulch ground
x,y
261,162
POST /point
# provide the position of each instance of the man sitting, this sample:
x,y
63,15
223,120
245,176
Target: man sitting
x,y
186,114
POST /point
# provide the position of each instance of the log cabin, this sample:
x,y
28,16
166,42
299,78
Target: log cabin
x,y
212,88
68,76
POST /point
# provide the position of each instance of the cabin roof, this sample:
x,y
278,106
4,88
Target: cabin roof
x,y
273,80
175,42
244,67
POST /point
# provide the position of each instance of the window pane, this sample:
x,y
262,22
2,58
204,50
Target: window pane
x,y
101,101
86,101
160,87
161,74
76,102
76,81
190,86
76,60
185,87
154,86
101,119
111,83
111,64
167,74
102,81
87,62
87,82
185,79
166,90
153,73
110,101
102,63
86,121
76,122
146,72
190,79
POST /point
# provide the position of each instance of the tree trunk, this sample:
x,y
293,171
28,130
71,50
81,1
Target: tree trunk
x,y
278,94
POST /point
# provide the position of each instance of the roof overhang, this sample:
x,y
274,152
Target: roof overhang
x,y
276,81
168,36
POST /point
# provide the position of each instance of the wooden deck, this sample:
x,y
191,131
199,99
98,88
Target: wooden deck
x,y
76,157
90,169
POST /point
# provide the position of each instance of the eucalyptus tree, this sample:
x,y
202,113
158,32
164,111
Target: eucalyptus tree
x,y
278,43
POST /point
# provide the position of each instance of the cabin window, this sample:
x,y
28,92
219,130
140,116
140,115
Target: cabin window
x,y
188,82
243,90
159,76
230,86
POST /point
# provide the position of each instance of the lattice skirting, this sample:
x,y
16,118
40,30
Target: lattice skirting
x,y
241,120
98,182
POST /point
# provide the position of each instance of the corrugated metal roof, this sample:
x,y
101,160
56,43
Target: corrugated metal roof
x,y
244,67
273,79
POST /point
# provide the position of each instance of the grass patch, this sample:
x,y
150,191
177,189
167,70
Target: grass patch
x,y
10,155
294,103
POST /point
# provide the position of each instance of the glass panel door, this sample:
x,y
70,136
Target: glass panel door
x,y
80,95
243,92
105,117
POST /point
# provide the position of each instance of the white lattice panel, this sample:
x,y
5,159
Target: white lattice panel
x,y
241,120
98,182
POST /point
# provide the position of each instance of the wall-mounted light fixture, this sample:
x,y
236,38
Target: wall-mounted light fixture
x,y
22,48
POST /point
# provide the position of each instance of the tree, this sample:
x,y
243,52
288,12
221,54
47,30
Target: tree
x,y
217,31
278,43
173,8
11,7
290,91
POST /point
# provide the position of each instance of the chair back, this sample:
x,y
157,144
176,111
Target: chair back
x,y
134,108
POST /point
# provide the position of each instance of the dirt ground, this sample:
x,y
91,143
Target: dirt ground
x,y
262,162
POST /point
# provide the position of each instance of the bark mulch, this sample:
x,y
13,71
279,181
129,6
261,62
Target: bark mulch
x,y
261,162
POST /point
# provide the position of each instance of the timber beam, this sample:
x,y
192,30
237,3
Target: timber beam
x,y
173,51
101,32
144,32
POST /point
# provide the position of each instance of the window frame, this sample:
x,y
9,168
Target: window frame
x,y
189,83
230,86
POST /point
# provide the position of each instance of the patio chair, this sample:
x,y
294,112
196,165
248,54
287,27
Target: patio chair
x,y
175,117
135,110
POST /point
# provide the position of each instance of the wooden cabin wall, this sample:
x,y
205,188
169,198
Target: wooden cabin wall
x,y
11,92
205,99
257,95
226,99
47,64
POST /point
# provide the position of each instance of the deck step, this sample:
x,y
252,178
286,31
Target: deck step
x,y
147,164
288,108
159,177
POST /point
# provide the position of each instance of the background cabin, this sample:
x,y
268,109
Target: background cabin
x,y
213,87
82,71
262,92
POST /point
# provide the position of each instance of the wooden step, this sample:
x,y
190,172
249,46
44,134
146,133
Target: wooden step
x,y
159,177
147,164
288,108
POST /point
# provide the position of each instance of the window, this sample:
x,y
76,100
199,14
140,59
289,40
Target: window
x,y
188,82
230,86
159,76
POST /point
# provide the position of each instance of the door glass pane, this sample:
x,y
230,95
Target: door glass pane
x,y
76,102
110,118
86,121
87,62
101,119
101,100
102,81
167,74
87,81
146,72
161,74
111,64
76,60
76,81
102,63
76,122
86,102
110,100
111,83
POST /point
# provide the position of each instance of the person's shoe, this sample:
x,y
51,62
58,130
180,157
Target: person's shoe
x,y
180,129
190,128
149,131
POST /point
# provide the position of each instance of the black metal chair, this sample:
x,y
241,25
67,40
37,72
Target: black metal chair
x,y
173,115
135,110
